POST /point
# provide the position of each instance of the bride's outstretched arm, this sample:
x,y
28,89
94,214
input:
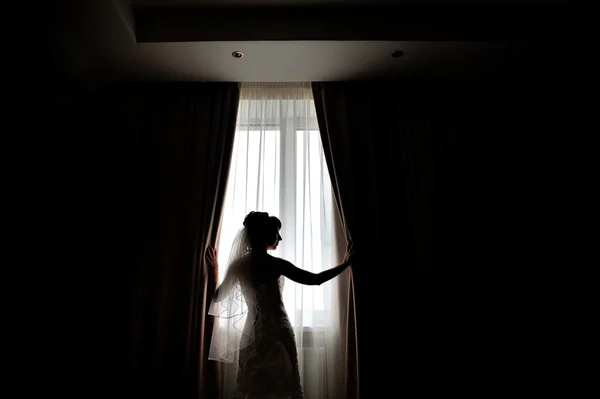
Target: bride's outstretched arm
x,y
328,274
302,276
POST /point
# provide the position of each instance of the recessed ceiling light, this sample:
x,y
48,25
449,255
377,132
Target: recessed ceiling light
x,y
237,54
397,53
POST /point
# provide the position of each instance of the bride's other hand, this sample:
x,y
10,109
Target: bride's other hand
x,y
211,257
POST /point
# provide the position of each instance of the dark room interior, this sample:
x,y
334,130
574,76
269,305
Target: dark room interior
x,y
450,126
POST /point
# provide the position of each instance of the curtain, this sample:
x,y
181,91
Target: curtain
x,y
339,149
402,164
174,146
279,167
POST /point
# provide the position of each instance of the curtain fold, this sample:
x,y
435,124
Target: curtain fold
x,y
179,139
337,149
402,169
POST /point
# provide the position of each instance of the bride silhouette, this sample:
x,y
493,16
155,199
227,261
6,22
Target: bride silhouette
x,y
252,321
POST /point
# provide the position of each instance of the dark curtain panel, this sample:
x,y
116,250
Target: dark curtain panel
x,y
402,168
338,149
174,150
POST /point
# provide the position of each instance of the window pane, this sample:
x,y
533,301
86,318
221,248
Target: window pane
x,y
278,166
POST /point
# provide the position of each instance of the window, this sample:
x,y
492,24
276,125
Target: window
x,y
278,166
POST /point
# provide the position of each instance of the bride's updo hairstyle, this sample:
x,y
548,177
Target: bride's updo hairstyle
x,y
262,229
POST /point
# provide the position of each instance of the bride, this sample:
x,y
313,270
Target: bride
x,y
253,322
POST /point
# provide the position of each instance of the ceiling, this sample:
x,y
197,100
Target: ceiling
x,y
176,3
305,40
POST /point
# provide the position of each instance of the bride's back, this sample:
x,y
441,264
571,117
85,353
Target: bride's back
x,y
261,283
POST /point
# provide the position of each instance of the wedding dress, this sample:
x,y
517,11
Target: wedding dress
x,y
252,325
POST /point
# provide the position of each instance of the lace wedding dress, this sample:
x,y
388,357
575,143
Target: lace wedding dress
x,y
252,325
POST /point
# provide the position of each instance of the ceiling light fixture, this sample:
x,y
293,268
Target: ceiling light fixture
x,y
237,54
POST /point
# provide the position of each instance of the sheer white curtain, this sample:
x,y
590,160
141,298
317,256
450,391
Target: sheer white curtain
x,y
278,167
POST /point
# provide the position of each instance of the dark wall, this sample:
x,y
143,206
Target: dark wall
x,y
77,187
505,316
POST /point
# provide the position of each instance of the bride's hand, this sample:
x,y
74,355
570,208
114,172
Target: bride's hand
x,y
349,257
211,257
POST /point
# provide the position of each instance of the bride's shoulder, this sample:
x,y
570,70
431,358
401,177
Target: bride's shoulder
x,y
273,259
278,262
